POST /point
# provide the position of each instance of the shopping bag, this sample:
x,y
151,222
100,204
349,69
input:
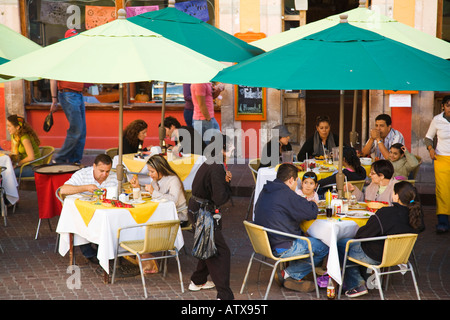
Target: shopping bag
x,y
204,246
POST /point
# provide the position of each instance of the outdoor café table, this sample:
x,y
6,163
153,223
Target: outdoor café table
x,y
9,181
186,167
329,230
98,224
270,173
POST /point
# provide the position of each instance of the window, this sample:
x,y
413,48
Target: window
x,y
48,20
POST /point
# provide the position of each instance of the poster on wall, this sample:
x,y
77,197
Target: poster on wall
x,y
250,103
135,11
99,15
195,8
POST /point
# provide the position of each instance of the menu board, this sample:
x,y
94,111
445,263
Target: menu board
x,y
250,103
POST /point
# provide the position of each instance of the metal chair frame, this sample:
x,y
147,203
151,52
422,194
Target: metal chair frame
x,y
260,242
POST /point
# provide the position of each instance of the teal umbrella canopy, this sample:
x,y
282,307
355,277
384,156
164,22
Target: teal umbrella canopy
x,y
197,35
342,57
366,19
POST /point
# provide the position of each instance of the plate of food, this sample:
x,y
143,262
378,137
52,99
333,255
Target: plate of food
x,y
132,201
145,194
321,204
358,206
359,214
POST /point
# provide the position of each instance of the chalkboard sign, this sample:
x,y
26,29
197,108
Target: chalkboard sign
x,y
250,103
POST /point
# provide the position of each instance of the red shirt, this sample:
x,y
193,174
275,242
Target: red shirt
x,y
76,86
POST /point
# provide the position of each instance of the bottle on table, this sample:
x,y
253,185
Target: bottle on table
x,y
334,193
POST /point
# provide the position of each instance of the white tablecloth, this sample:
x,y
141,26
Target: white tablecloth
x,y
329,231
9,179
102,229
145,179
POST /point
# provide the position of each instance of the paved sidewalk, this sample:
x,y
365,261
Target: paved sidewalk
x,y
31,270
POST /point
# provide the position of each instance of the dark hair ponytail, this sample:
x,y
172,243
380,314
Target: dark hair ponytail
x,y
408,195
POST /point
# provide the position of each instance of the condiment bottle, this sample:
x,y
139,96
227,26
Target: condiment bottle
x,y
328,198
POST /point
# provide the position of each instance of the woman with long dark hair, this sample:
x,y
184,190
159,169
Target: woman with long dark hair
x,y
404,216
24,144
134,135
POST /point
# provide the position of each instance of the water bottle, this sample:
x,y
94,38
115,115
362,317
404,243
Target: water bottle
x,y
334,193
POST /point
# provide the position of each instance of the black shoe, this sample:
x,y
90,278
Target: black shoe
x,y
93,260
279,277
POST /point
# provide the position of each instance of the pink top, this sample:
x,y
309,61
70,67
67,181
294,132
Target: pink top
x,y
202,89
314,197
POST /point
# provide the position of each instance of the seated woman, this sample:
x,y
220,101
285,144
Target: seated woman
x,y
133,136
24,145
405,216
323,139
269,160
403,161
166,185
353,169
380,189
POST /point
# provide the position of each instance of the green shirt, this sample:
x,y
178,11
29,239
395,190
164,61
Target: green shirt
x,y
23,153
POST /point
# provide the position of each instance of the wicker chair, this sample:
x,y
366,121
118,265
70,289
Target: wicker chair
x,y
260,242
159,237
397,250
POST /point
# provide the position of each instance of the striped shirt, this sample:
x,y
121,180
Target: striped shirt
x,y
394,136
85,176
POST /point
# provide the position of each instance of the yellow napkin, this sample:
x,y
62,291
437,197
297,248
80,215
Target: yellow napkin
x,y
140,213
132,164
183,166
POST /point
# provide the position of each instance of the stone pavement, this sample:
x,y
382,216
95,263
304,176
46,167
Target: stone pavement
x,y
31,270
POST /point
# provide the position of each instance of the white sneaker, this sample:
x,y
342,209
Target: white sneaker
x,y
206,285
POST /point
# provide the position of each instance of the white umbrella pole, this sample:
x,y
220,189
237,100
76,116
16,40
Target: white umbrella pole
x,y
340,177
162,129
119,167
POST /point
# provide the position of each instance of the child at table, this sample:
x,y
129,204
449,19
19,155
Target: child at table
x,y
308,187
403,161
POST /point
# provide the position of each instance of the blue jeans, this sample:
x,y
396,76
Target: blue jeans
x,y
353,277
72,104
26,172
188,113
300,268
202,127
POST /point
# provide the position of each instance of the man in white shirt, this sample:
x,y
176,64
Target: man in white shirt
x,y
382,137
91,178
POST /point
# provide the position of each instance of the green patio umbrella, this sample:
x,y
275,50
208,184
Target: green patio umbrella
x,y
196,34
342,57
14,45
116,52
367,19
364,18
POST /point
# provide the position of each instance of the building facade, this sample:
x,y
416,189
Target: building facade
x,y
45,21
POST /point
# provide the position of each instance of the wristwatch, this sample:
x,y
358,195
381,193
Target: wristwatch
x,y
379,141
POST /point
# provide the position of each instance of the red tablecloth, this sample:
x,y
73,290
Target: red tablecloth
x,y
48,178
46,186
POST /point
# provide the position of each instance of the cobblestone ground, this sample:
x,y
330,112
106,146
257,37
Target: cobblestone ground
x,y
31,270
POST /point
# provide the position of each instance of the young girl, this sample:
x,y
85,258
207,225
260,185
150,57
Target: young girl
x,y
24,144
404,216
308,187
403,161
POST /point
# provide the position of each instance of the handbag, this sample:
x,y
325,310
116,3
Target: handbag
x,y
48,122
204,246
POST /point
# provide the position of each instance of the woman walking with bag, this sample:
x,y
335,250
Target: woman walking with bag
x,y
211,186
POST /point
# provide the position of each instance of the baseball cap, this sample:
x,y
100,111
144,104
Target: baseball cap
x,y
70,33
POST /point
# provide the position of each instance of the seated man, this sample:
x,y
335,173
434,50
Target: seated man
x,y
187,139
280,208
382,137
89,179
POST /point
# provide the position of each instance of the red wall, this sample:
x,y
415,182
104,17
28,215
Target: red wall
x,y
102,126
